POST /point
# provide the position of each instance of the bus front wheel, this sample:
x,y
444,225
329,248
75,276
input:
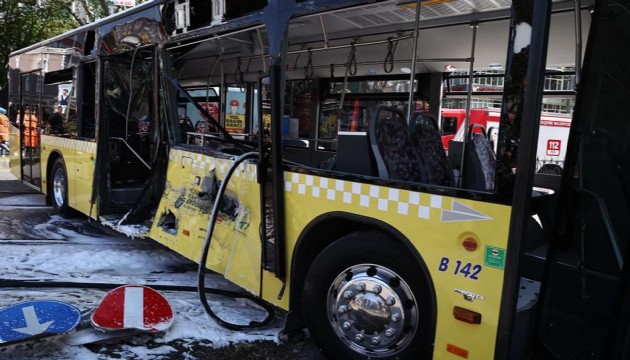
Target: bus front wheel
x,y
59,187
363,299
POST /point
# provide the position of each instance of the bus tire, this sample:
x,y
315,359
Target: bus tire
x,y
59,187
361,269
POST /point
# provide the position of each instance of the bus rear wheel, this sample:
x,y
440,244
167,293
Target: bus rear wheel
x,y
59,187
363,299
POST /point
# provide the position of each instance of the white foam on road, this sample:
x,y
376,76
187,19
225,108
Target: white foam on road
x,y
75,256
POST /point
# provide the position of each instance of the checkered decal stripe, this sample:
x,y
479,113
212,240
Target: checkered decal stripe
x,y
402,202
61,142
245,170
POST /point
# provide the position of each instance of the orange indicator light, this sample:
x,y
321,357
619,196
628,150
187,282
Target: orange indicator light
x,y
467,316
457,350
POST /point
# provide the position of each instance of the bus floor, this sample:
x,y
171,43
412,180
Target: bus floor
x,y
573,311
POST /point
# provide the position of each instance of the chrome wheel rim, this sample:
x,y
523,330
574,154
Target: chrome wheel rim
x,y
59,187
372,310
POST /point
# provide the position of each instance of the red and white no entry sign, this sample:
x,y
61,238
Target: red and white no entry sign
x,y
133,307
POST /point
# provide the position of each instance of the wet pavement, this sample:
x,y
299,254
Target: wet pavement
x,y
37,246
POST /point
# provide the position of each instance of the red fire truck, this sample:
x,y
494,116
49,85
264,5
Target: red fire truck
x,y
552,139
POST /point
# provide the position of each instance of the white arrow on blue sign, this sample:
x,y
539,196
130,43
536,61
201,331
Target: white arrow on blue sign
x,y
34,318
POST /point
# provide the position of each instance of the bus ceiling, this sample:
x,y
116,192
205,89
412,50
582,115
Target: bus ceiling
x,y
375,32
377,40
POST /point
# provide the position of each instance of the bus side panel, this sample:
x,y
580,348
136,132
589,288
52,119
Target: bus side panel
x,y
79,157
85,163
15,160
182,218
436,226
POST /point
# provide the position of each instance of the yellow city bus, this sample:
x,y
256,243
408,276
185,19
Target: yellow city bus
x,y
294,147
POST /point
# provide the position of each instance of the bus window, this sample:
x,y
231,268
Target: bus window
x,y
215,102
555,118
59,104
87,117
360,101
449,125
197,113
299,110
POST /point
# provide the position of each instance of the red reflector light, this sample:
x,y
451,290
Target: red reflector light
x,y
457,350
469,244
467,316
186,232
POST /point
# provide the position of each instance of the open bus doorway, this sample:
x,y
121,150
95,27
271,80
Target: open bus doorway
x,y
584,299
128,126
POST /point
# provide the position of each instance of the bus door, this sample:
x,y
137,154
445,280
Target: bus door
x,y
208,141
198,165
29,117
585,299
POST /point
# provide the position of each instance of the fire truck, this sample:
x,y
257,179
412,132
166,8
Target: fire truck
x,y
552,138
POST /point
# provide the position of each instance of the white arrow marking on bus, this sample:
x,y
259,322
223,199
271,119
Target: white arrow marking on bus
x,y
461,212
33,326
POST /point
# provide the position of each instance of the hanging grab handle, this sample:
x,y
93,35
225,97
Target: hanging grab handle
x,y
238,73
388,64
352,60
308,69
239,76
332,76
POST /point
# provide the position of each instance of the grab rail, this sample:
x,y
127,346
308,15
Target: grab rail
x,y
133,151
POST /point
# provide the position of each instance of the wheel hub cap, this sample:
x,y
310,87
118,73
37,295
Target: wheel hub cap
x,y
59,187
369,312
372,310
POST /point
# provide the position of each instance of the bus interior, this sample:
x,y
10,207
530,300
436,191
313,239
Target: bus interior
x,y
347,110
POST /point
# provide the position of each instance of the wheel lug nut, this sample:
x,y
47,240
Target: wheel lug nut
x,y
342,309
377,289
358,337
347,325
390,300
389,332
347,294
396,317
376,340
361,287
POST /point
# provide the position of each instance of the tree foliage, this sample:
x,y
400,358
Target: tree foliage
x,y
27,22
23,24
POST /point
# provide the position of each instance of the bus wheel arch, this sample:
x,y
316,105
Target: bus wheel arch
x,y
331,234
